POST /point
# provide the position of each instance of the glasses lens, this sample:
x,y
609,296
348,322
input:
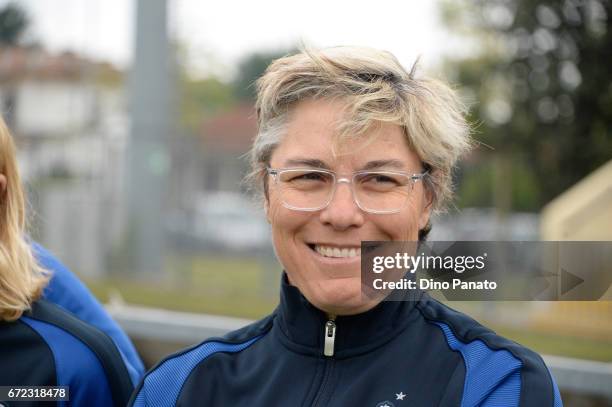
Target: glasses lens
x,y
305,189
382,191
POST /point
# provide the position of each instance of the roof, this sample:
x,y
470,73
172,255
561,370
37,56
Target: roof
x,y
33,62
232,130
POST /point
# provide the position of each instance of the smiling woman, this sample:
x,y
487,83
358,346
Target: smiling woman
x,y
341,220
351,148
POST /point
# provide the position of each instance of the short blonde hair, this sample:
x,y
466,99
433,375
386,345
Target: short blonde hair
x,y
21,278
376,89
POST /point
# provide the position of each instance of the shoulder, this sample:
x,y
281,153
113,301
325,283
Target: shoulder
x,y
64,285
22,347
46,258
496,369
162,384
85,358
66,290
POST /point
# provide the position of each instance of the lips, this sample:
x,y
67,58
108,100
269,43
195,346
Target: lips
x,y
337,251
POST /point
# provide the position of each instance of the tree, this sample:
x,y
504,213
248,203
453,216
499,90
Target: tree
x,y
251,68
13,23
201,98
208,96
542,80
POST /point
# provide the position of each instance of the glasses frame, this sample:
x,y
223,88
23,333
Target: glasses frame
x,y
276,172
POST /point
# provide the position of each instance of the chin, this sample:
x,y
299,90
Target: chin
x,y
340,297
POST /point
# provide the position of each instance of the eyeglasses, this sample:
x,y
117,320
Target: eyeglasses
x,y
380,192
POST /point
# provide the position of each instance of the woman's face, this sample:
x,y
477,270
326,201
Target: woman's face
x,y
330,283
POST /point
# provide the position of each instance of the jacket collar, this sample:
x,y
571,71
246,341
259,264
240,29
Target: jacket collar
x,y
302,325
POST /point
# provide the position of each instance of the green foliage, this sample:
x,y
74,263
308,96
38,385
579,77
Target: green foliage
x,y
476,189
251,68
540,76
13,23
202,98
206,97
526,194
479,184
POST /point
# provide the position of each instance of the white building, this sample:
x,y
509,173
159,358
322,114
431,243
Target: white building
x,y
69,118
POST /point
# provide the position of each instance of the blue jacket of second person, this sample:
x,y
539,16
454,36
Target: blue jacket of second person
x,y
67,291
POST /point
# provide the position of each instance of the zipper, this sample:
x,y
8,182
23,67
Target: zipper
x,y
329,332
330,336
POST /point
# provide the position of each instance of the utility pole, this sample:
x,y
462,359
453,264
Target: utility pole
x,y
152,121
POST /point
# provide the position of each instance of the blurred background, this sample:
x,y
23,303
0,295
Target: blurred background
x,y
132,120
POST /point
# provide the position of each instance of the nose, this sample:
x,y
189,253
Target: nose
x,y
342,212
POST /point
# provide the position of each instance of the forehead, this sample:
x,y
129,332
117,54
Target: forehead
x,y
312,133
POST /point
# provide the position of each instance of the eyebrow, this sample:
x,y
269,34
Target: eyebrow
x,y
306,162
371,165
378,164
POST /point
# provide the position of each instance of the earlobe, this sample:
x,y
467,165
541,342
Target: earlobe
x,y
2,183
426,211
424,220
267,210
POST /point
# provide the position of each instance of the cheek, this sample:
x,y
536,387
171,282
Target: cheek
x,y
285,224
274,212
404,228
286,227
272,209
281,218
403,225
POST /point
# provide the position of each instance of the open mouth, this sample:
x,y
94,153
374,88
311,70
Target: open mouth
x,y
336,252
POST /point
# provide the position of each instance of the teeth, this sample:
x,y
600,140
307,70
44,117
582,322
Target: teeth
x,y
337,251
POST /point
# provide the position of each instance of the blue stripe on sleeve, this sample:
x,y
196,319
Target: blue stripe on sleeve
x,y
162,385
557,394
492,377
76,366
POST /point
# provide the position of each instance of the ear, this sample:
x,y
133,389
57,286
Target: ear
x,y
2,183
267,209
426,209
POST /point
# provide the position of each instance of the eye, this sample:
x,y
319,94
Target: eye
x,y
311,176
384,179
380,179
304,177
308,176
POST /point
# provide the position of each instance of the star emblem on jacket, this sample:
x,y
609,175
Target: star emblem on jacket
x,y
400,396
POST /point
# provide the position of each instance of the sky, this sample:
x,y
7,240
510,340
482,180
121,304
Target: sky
x,y
214,36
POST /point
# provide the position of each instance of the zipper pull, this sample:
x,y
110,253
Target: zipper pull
x,y
330,337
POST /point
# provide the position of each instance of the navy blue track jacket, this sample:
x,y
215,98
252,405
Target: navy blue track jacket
x,y
48,346
398,354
